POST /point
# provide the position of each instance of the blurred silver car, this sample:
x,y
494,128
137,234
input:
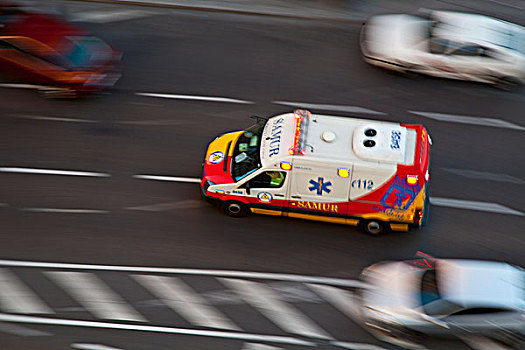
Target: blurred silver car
x,y
448,44
444,297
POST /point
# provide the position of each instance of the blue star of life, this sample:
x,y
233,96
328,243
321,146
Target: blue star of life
x,y
320,185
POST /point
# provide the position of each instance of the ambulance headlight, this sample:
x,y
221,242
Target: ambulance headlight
x,y
207,184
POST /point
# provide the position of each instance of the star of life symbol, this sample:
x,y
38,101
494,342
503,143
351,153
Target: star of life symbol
x,y
320,185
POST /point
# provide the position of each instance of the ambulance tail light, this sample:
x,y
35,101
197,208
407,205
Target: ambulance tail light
x,y
412,180
417,216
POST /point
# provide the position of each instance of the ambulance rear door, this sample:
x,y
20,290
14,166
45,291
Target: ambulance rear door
x,y
317,188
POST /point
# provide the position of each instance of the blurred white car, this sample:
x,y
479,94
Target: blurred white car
x,y
448,44
444,297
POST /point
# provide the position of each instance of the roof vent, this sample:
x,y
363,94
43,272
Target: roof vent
x,y
369,143
370,132
328,136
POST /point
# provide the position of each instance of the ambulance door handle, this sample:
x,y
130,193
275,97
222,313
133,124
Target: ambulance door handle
x,y
279,195
296,197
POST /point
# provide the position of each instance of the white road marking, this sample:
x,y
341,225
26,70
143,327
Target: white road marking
x,y
338,108
51,172
341,299
223,297
480,175
88,346
198,272
94,295
168,178
482,343
159,122
194,98
470,120
22,331
157,329
185,301
23,86
473,205
65,211
53,119
188,204
16,297
294,292
256,346
509,5
356,346
110,16
267,302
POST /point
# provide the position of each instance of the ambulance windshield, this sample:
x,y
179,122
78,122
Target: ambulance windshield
x,y
246,158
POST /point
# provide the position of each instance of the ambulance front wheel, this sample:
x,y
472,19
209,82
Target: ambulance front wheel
x,y
374,227
235,209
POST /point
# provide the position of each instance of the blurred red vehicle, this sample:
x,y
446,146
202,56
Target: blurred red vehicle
x,y
43,49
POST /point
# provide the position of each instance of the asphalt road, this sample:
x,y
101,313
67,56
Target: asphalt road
x,y
136,222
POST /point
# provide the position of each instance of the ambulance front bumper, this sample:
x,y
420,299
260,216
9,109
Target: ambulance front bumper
x,y
207,198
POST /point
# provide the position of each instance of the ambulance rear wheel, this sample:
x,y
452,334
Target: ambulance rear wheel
x,y
235,209
374,227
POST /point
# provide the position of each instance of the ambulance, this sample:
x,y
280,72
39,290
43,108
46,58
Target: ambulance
x,y
366,173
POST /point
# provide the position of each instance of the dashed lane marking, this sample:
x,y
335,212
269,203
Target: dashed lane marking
x,y
110,16
197,272
53,119
22,86
65,211
479,175
22,331
282,314
438,201
181,298
325,107
188,204
470,120
167,178
474,205
51,172
95,295
157,329
256,346
507,4
90,346
108,119
356,346
194,97
16,297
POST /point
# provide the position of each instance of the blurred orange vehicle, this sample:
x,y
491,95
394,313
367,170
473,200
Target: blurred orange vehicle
x,y
64,60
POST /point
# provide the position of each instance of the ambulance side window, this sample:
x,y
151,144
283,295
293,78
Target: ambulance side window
x,y
268,179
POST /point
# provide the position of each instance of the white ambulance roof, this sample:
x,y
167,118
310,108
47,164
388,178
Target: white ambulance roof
x,y
350,139
356,139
